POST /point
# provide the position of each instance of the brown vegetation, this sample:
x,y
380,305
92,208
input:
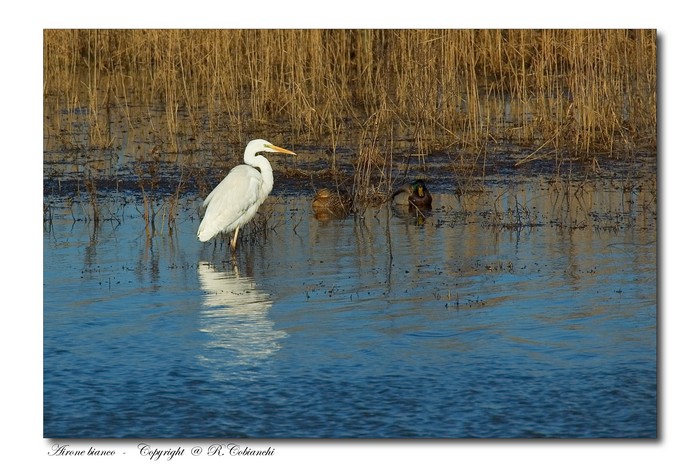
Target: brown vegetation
x,y
566,94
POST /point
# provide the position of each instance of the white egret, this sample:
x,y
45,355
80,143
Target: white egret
x,y
235,200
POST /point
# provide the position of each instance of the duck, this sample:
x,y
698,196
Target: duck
x,y
415,195
329,204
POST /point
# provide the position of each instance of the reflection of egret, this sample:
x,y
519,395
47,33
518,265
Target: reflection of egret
x,y
415,195
235,313
331,204
236,199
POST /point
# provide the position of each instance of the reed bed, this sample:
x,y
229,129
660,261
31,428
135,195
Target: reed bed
x,y
564,94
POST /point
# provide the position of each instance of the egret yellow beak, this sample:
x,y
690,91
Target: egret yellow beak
x,y
279,149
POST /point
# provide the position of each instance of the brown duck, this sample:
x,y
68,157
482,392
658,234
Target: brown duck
x,y
331,204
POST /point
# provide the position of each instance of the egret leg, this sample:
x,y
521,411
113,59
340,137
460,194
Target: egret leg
x,y
235,237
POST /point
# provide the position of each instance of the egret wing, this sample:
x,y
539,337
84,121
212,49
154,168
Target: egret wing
x,y
230,201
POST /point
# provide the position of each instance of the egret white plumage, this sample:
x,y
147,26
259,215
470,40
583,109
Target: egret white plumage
x,y
235,200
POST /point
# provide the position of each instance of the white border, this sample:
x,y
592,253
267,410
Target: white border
x,y
678,310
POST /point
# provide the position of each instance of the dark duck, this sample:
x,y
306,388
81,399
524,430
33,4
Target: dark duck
x,y
415,195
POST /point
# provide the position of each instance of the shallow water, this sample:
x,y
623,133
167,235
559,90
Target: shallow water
x,y
520,312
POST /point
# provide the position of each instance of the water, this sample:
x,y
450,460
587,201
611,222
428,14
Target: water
x,y
515,313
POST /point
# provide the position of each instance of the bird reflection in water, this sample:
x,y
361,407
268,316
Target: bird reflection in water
x,y
235,316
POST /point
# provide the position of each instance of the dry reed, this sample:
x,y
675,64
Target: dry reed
x,y
564,93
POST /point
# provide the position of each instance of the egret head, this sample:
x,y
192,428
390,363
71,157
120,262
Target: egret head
x,y
261,145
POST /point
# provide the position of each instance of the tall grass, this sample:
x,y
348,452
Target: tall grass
x,y
564,93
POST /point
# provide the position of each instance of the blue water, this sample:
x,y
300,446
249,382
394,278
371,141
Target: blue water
x,y
372,326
